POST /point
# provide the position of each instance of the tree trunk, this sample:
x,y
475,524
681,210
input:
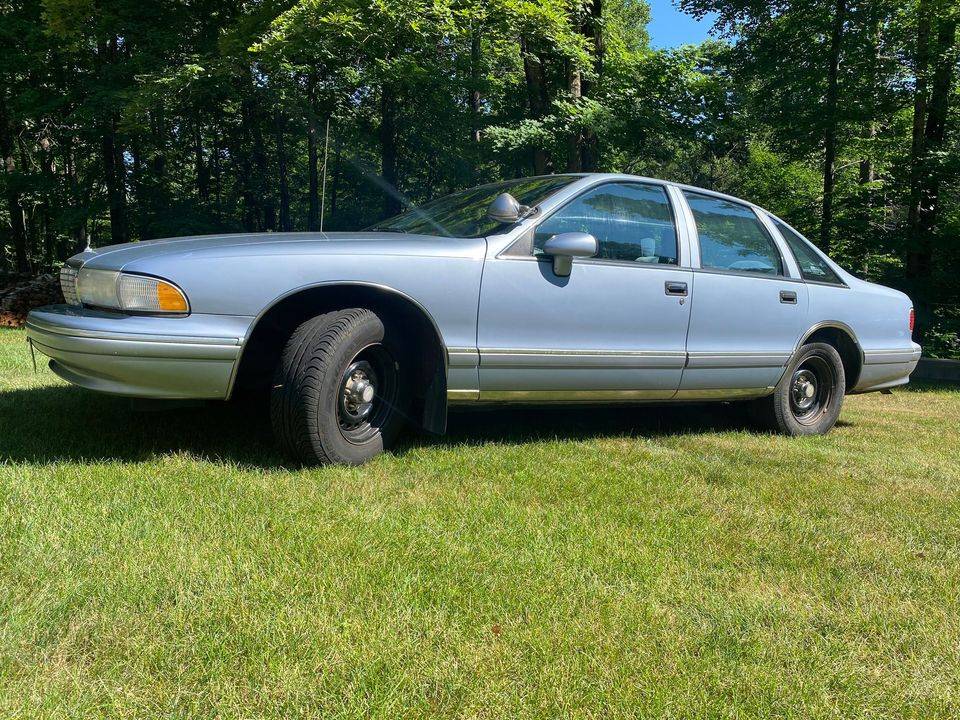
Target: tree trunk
x,y
475,86
934,134
15,208
111,155
268,202
536,99
79,229
593,29
313,189
201,168
867,174
575,89
17,229
251,198
113,174
830,132
335,177
388,151
874,91
278,126
216,176
141,209
917,250
158,159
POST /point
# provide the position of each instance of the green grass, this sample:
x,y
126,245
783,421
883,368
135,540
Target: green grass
x,y
574,563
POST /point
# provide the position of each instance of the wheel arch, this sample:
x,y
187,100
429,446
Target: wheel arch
x,y
261,348
844,340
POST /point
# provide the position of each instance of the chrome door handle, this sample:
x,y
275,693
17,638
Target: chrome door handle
x,y
671,287
788,296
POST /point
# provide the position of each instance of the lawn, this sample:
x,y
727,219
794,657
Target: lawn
x,y
641,562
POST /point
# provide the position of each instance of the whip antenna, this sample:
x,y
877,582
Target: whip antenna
x,y
323,191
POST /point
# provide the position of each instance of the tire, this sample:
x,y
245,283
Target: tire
x,y
808,398
339,396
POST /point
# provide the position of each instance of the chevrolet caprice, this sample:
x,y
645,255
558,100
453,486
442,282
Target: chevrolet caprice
x,y
556,289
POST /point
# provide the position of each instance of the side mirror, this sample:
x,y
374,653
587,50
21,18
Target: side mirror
x,y
566,246
506,209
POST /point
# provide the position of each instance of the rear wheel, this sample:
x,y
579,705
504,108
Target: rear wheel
x,y
339,393
808,398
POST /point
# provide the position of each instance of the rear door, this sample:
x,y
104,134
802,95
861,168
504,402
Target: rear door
x,y
747,311
615,329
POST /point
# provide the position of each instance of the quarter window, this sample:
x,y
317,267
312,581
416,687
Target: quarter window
x,y
812,266
631,221
732,237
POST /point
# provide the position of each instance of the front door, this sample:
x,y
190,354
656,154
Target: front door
x,y
615,329
747,315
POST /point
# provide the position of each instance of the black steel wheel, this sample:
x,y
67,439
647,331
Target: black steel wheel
x,y
811,389
367,394
808,399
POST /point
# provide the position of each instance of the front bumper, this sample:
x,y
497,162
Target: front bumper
x,y
193,357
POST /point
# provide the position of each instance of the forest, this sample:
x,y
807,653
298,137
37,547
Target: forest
x,y
126,120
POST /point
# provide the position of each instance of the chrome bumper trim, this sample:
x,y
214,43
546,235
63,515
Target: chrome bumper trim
x,y
736,359
723,393
458,396
893,355
535,396
580,359
99,344
42,326
136,365
462,357
572,396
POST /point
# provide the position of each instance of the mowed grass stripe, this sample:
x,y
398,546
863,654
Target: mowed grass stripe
x,y
651,562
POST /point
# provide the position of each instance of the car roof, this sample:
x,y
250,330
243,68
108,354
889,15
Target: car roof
x,y
682,186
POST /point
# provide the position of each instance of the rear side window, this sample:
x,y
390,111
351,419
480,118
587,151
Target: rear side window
x,y
812,266
631,221
732,237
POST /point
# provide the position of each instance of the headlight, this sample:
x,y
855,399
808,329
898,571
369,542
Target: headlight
x,y
148,294
98,287
132,293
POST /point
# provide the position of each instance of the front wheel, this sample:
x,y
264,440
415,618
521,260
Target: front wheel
x,y
338,393
808,398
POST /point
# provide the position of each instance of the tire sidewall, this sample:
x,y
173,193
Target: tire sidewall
x,y
326,435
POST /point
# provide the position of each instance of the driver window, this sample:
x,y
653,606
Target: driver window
x,y
631,221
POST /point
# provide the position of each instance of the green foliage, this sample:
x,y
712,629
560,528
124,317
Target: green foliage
x,y
132,120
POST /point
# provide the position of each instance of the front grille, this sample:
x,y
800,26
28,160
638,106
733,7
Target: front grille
x,y
68,284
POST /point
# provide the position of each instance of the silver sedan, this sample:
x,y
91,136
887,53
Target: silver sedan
x,y
564,288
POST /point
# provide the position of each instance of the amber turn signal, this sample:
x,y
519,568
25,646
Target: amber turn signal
x,y
170,299
141,293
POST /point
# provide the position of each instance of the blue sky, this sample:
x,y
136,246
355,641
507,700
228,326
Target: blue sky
x,y
669,27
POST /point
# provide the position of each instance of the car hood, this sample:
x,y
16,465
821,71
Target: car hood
x,y
116,257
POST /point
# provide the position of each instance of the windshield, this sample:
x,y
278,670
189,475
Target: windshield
x,y
464,213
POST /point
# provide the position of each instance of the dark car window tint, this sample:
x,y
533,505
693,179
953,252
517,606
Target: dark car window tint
x,y
631,221
812,266
732,237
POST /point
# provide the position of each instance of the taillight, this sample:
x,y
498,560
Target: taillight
x,y
913,319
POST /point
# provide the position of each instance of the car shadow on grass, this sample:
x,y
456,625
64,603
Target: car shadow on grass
x,y
60,424
57,424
